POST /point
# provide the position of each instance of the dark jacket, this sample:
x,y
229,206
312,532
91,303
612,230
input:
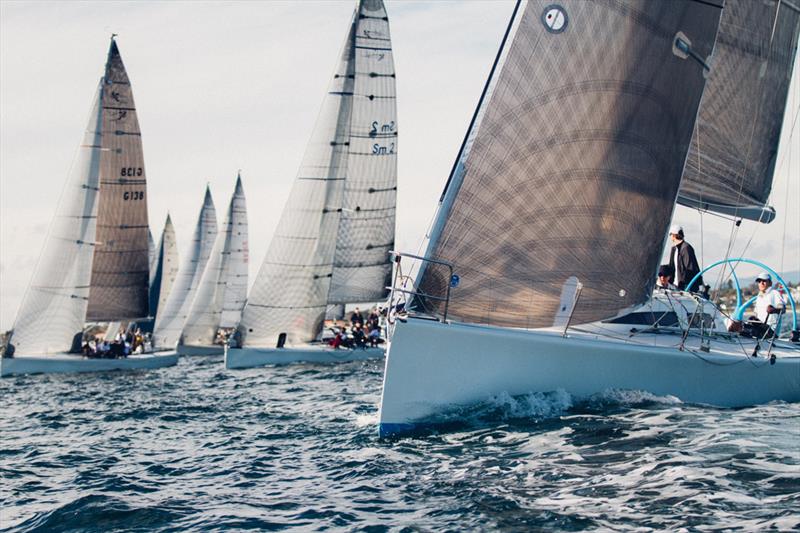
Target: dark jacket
x,y
687,266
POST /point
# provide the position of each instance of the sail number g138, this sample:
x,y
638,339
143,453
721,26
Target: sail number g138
x,y
133,195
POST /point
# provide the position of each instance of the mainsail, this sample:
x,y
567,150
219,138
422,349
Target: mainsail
x,y
53,309
223,287
120,269
166,268
335,231
573,163
169,323
733,151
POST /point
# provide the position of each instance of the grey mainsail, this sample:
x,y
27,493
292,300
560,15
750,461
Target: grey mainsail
x,y
222,289
120,268
339,218
53,309
166,268
169,323
573,163
735,143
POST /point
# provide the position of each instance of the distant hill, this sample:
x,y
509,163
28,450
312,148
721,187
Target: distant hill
x,y
791,277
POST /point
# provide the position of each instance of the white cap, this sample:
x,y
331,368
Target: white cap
x,y
764,275
675,229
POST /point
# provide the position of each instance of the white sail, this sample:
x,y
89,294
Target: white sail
x,y
54,307
166,268
236,272
169,324
310,246
223,286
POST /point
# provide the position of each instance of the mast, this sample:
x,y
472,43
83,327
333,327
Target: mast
x,y
120,269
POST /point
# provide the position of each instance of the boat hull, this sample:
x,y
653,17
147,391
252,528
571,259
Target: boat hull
x,y
62,363
432,367
190,351
312,353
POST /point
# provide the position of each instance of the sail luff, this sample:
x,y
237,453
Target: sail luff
x,y
53,309
734,147
169,324
581,144
236,269
120,269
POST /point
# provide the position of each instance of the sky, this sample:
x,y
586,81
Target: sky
x,y
223,86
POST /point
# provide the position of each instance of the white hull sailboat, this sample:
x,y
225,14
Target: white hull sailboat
x,y
222,289
95,263
332,242
75,363
309,353
540,264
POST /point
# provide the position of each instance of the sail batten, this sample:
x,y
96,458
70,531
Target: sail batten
x,y
330,246
733,153
572,165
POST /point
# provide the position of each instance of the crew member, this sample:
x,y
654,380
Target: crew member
x,y
664,281
682,261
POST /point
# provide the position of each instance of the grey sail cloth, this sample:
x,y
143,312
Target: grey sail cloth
x,y
733,151
222,289
573,164
120,269
166,268
169,322
53,309
292,289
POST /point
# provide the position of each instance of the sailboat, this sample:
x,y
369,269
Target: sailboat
x,y
94,265
539,269
172,316
332,242
164,269
222,289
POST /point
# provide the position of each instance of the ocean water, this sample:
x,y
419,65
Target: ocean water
x,y
197,447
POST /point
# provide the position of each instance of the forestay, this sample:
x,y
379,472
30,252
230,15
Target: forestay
x,y
120,269
169,324
222,289
572,166
53,309
166,268
733,151
338,222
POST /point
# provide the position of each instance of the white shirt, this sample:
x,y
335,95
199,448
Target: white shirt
x,y
678,273
765,299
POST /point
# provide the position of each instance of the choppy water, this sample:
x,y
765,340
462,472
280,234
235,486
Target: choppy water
x,y
198,447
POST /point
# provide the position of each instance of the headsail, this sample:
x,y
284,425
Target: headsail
x,y
53,310
120,269
166,268
574,161
733,152
223,287
151,257
292,288
169,323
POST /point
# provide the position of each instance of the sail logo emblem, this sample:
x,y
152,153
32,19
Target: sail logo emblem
x,y
555,18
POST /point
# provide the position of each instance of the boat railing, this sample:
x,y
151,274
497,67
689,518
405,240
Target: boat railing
x,y
403,286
